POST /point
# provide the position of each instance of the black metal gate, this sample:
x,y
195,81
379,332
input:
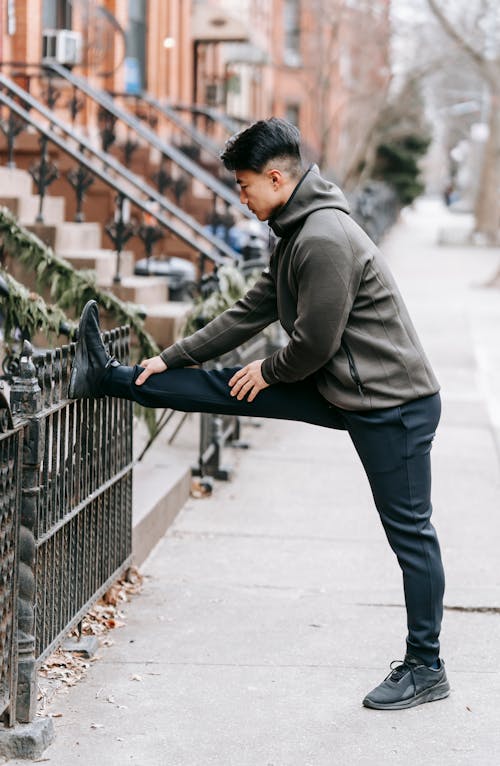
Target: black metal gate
x,y
73,486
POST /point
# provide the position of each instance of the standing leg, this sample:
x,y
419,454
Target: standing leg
x,y
394,446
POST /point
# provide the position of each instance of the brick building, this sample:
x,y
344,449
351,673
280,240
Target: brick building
x,y
324,64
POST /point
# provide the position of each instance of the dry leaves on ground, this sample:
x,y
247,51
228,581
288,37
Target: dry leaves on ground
x,y
201,488
64,668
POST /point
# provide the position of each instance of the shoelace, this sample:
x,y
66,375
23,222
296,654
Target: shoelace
x,y
401,670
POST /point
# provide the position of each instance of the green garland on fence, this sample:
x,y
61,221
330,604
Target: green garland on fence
x,y
69,288
35,312
231,286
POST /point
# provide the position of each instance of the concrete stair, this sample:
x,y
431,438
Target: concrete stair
x,y
26,208
165,321
17,182
68,236
142,290
103,262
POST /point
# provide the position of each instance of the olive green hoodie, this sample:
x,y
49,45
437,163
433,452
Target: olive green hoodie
x,y
336,298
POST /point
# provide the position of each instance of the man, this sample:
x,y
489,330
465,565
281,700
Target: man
x,y
353,361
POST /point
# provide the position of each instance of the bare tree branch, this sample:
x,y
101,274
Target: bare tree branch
x,y
452,32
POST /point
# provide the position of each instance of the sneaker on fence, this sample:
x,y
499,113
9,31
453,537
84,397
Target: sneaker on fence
x,y
91,357
409,684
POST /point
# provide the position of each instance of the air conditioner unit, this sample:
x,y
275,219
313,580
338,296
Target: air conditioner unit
x,y
63,46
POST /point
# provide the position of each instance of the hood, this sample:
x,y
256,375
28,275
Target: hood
x,y
311,193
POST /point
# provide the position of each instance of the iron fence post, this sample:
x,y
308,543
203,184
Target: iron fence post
x,y
26,403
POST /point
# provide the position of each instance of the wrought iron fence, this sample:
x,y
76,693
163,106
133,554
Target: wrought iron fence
x,y
66,474
11,440
83,528
218,431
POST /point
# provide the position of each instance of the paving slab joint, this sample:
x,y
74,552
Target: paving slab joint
x,y
27,740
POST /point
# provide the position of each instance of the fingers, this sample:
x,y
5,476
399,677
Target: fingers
x,y
253,393
143,376
238,381
237,376
246,382
242,389
151,367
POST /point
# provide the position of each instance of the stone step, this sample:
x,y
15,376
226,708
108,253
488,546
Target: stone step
x,y
26,207
162,480
68,236
143,290
165,321
17,182
103,262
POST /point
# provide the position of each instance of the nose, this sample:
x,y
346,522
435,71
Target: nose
x,y
243,197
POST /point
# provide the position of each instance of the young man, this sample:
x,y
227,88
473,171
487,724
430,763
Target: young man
x,y
353,361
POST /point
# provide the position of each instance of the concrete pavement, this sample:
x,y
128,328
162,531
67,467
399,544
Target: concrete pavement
x,y
273,606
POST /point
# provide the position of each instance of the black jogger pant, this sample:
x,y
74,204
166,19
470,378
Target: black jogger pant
x,y
393,444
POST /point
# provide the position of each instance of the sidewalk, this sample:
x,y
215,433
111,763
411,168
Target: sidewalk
x,y
272,607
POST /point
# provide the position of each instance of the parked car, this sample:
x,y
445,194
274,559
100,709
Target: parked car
x,y
180,274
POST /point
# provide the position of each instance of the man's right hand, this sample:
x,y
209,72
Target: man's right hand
x,y
151,366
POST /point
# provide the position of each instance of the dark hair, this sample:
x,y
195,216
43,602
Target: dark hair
x,y
253,147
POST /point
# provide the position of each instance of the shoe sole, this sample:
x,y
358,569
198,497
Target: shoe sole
x,y
438,692
79,355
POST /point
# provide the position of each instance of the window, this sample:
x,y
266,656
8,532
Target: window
x,y
56,14
292,114
136,44
291,22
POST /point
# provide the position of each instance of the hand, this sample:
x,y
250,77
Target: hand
x,y
248,380
152,366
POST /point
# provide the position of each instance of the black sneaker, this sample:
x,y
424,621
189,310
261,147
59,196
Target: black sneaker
x,y
409,684
91,357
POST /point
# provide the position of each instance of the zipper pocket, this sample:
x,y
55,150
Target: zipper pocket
x,y
352,368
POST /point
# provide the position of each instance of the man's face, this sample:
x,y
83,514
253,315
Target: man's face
x,y
260,192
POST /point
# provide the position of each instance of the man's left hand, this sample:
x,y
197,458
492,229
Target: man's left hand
x,y
248,381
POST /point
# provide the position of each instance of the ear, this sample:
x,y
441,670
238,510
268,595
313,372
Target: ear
x,y
276,177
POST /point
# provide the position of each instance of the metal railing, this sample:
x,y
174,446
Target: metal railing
x,y
152,111
140,130
83,528
11,444
66,478
219,431
126,184
230,124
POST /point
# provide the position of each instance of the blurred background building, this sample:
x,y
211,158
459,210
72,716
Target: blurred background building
x,y
323,65
118,110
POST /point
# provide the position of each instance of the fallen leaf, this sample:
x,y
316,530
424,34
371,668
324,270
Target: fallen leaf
x,y
200,489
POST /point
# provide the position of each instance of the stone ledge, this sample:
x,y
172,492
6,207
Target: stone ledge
x,y
153,517
161,482
27,740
